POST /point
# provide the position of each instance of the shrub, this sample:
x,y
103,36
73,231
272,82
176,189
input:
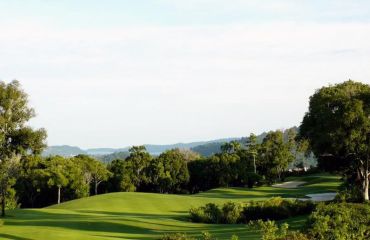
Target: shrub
x,y
182,236
295,236
340,222
197,215
276,209
349,193
253,178
176,236
231,212
271,231
212,213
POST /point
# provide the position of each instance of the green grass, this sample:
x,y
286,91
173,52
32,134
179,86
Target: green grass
x,y
144,215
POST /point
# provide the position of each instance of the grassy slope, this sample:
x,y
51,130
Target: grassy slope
x,y
143,215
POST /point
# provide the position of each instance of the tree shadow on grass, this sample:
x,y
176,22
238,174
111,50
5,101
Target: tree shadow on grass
x,y
8,236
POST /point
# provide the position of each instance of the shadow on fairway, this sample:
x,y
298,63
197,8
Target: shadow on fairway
x,y
8,236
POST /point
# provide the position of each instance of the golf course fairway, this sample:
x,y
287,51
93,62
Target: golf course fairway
x,y
132,215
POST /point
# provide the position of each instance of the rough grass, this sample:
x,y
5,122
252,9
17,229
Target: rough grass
x,y
145,215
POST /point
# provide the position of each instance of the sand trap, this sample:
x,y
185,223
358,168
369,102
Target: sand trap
x,y
292,184
320,197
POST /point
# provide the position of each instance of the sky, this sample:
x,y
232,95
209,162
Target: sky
x,y
116,73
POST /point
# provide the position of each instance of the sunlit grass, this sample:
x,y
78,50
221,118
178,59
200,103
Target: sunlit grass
x,y
145,215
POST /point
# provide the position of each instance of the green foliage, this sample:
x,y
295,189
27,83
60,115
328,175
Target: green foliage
x,y
276,209
16,139
176,236
337,126
183,236
212,213
340,222
169,173
231,213
275,155
270,231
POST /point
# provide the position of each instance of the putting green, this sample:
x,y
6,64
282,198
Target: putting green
x,y
145,215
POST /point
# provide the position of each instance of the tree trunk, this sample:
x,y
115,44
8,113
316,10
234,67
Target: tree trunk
x,y
96,187
254,164
3,202
366,186
59,195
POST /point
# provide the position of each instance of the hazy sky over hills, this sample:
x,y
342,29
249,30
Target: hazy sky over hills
x,y
117,73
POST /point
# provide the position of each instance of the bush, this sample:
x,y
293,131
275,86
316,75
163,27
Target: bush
x,y
340,222
210,213
276,209
271,231
231,213
349,193
182,236
253,178
176,236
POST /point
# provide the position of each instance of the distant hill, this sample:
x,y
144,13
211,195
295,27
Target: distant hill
x,y
153,149
107,158
63,150
211,148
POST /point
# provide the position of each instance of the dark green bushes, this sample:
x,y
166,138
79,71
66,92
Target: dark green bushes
x,y
231,213
342,221
271,231
276,209
183,236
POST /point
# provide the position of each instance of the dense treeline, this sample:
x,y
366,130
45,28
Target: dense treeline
x,y
44,181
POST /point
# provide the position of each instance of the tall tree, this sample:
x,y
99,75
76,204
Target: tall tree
x,y
57,172
16,139
99,173
337,125
252,146
169,172
275,154
231,147
134,168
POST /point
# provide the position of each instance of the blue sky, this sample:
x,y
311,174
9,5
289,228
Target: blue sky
x,y
118,73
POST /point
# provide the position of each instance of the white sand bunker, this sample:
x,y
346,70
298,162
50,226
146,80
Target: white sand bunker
x,y
292,184
320,197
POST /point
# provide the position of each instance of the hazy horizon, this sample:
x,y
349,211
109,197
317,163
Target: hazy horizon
x,y
123,73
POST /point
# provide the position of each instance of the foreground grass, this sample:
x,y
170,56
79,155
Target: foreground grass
x,y
145,215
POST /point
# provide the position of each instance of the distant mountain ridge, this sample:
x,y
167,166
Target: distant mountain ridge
x,y
68,151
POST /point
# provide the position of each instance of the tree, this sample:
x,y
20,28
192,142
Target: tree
x,y
99,173
253,146
135,165
16,139
169,172
116,167
57,172
31,180
337,126
93,171
230,147
275,154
